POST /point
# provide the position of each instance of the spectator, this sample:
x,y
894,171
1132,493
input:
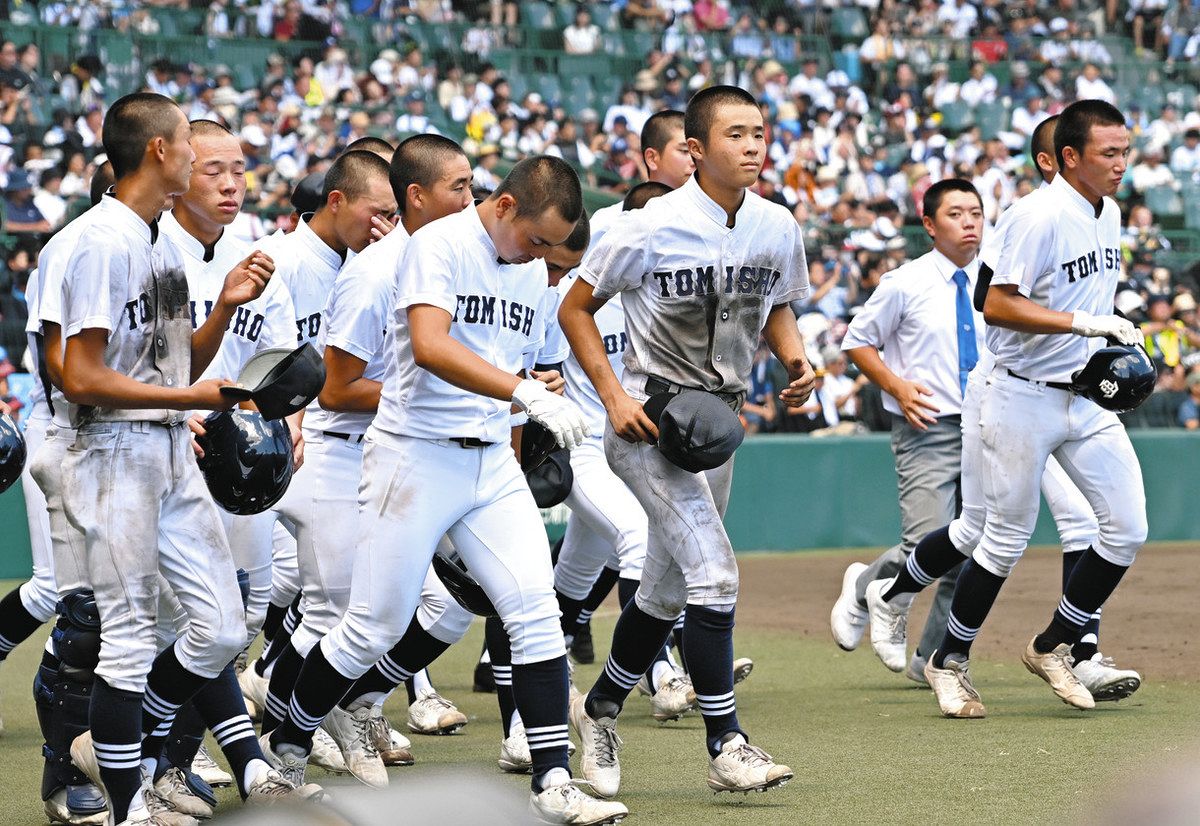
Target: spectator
x,y
414,119
711,15
629,110
568,146
47,197
841,390
1152,172
881,47
1189,409
980,86
82,87
961,17
1185,159
334,73
809,83
1146,17
941,90
11,73
1019,89
1057,50
582,36
644,14
21,214
747,42
1167,339
1089,85
483,177
760,411
1026,117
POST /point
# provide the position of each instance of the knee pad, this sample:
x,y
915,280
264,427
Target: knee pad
x,y
76,635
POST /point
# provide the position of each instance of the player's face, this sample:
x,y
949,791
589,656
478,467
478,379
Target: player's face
x,y
560,261
957,227
178,157
732,154
218,182
675,163
1105,155
519,240
352,220
451,193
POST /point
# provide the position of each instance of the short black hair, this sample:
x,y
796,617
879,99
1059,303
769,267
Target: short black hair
x,y
659,128
541,183
1076,121
1042,140
936,193
134,121
371,144
420,160
351,174
102,179
581,236
703,106
641,194
202,127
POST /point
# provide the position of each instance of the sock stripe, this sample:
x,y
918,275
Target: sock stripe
x,y
1072,614
239,728
915,571
6,645
625,679
502,674
221,728
390,670
157,706
163,728
960,631
118,755
276,707
291,620
679,623
585,616
302,719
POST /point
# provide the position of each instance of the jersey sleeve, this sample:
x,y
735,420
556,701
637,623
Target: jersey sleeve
x,y
357,316
1027,252
94,286
793,285
554,349
877,321
279,327
620,261
425,273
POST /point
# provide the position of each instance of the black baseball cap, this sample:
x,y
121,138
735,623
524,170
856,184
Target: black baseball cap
x,y
696,430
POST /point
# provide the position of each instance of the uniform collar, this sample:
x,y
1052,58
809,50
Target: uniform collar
x,y
706,205
121,212
188,243
946,268
1075,198
313,241
476,228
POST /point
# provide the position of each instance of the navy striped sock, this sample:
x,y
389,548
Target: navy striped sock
x,y
221,706
16,623
284,674
540,692
502,671
934,556
168,686
637,640
318,690
281,637
1089,639
115,718
1091,584
708,651
974,596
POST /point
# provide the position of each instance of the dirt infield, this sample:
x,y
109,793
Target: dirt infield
x,y
1147,624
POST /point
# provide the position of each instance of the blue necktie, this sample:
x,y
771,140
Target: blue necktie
x,y
968,352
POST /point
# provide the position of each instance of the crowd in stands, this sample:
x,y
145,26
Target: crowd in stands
x,y
867,104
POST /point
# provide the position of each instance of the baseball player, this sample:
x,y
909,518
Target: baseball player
x,y
704,271
918,338
432,175
130,480
438,461
1051,295
890,599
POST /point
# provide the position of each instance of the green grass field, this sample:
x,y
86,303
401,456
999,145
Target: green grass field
x,y
866,745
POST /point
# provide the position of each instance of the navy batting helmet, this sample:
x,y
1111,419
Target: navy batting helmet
x,y
12,453
462,586
1118,378
247,461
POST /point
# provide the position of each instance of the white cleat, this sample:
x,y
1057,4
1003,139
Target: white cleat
x,y
674,697
916,670
1055,668
889,624
270,787
254,692
156,810
434,714
848,619
741,767
83,755
351,731
326,755
514,751
742,667
1106,682
598,762
394,748
173,788
566,803
207,770
290,766
57,811
956,694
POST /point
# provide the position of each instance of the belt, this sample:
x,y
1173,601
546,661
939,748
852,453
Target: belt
x,y
1057,385
469,441
346,437
654,385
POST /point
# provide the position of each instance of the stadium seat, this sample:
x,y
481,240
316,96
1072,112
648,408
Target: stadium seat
x,y
849,23
536,15
549,88
1163,200
992,118
957,116
603,15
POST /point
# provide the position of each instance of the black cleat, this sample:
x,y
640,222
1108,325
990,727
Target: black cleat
x,y
581,646
485,683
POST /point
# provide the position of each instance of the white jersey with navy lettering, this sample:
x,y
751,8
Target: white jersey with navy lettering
x,y
601,221
356,321
307,266
267,321
610,320
452,264
1061,255
39,407
697,293
127,278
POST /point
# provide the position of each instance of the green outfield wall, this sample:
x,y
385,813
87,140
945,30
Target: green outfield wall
x,y
797,493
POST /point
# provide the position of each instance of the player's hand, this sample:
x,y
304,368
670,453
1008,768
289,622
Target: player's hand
x,y
917,410
800,388
380,227
196,425
207,395
1108,326
297,447
559,415
248,279
630,421
553,380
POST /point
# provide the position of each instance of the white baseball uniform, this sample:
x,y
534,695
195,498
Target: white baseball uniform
x,y
696,296
438,460
1062,255
130,480
267,321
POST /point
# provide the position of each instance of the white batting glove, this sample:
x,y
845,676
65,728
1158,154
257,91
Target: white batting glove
x,y
562,417
1108,326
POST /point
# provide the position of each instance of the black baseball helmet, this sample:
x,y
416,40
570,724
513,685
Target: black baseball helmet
x,y
1118,378
551,481
537,443
247,462
12,453
462,586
